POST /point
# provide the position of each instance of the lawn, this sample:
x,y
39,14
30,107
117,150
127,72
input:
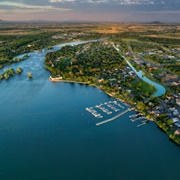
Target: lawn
x,y
130,39
156,72
144,87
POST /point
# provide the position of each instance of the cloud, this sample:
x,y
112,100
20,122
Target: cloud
x,y
91,9
21,11
165,12
55,1
27,6
119,2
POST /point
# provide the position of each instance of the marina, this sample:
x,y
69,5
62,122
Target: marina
x,y
111,107
138,117
106,108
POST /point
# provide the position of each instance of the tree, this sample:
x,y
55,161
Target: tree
x,y
29,75
146,94
141,106
169,122
18,71
6,76
1,76
162,80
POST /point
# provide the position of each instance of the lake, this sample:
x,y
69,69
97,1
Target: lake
x,y
46,134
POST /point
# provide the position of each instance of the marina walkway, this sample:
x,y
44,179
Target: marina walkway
x,y
113,118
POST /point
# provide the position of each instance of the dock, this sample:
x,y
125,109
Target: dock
x,y
94,112
103,109
139,118
113,118
141,124
117,104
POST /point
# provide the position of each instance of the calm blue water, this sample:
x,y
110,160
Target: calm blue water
x,y
46,134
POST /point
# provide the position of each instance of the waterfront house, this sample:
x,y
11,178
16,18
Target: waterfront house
x,y
56,78
177,132
100,80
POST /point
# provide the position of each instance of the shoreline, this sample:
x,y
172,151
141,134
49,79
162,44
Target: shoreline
x,y
67,81
71,81
110,95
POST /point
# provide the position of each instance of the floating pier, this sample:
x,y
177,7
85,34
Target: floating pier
x,y
139,118
104,109
113,118
112,107
94,112
117,104
135,115
141,124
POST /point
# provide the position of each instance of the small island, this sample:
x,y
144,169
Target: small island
x,y
10,72
30,75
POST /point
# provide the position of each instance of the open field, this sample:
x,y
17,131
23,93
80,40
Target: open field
x,y
174,36
103,28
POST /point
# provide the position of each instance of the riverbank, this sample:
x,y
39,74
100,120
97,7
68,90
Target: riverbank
x,y
67,81
169,131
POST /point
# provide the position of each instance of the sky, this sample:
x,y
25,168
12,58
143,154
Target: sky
x,y
91,10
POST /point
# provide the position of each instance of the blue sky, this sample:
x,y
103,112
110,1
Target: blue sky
x,y
91,10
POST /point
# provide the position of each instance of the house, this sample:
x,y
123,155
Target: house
x,y
178,124
175,113
177,132
150,103
100,80
172,109
57,78
175,120
178,101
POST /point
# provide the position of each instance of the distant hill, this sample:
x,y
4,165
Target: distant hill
x,y
163,23
156,22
